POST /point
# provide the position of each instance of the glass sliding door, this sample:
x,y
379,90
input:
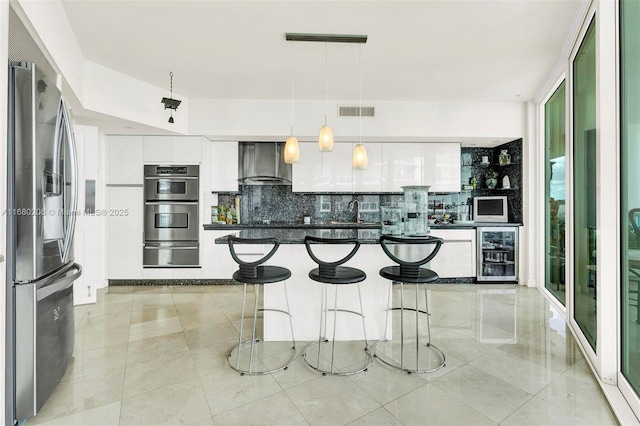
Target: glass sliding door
x,y
555,189
630,189
585,289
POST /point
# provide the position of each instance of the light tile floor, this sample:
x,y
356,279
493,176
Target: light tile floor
x,y
157,356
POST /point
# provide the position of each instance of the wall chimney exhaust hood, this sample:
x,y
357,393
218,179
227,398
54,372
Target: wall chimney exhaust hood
x,y
262,163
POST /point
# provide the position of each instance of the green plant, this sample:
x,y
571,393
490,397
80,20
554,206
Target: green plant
x,y
492,175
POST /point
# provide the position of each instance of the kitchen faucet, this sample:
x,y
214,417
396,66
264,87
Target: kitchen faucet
x,y
355,204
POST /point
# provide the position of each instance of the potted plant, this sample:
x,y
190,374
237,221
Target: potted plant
x,y
492,180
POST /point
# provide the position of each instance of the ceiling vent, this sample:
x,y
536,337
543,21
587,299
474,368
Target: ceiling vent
x,y
352,111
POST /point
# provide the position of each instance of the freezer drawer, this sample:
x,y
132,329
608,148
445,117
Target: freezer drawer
x,y
44,337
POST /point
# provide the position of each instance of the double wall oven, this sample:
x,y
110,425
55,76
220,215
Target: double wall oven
x,y
171,216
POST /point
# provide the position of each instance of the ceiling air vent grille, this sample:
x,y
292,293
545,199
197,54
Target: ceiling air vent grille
x,y
352,111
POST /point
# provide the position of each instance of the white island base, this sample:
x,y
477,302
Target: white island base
x,y
305,295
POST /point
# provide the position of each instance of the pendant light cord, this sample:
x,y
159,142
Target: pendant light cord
x,y
360,84
292,75
326,80
171,82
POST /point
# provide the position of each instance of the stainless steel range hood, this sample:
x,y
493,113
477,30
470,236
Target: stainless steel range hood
x,y
262,163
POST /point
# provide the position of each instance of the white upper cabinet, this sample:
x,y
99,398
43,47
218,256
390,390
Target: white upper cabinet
x,y
401,165
323,171
308,172
337,170
441,166
124,160
173,149
370,180
391,165
224,166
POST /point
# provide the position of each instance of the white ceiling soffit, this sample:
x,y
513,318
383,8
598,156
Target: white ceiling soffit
x,y
479,51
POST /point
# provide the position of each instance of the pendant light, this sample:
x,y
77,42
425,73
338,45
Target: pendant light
x,y
291,147
325,139
171,103
360,160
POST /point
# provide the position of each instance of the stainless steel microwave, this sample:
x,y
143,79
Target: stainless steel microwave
x,y
491,208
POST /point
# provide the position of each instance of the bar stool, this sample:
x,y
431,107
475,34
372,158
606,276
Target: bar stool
x,y
257,274
332,274
410,272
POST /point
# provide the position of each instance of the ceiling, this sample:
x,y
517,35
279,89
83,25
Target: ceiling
x,y
478,50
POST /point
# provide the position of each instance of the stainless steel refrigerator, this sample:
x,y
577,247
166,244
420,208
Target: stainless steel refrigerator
x,y
41,207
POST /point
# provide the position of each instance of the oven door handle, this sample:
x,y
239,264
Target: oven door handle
x,y
172,246
159,202
148,247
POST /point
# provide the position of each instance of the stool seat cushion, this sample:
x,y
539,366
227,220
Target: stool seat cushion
x,y
344,275
393,273
265,275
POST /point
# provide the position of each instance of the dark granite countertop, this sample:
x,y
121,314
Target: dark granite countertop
x,y
292,235
342,225
296,235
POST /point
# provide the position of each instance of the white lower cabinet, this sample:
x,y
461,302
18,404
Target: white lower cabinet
x,y
215,258
125,232
457,256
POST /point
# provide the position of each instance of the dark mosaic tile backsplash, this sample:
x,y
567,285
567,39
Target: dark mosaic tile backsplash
x,y
277,203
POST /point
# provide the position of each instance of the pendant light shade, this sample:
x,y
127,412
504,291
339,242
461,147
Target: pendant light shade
x,y
292,150
360,160
325,140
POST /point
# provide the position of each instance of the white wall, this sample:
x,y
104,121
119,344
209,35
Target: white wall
x,y
52,27
425,121
116,94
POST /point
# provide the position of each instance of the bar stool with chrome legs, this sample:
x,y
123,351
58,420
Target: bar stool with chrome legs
x,y
333,274
428,358
257,274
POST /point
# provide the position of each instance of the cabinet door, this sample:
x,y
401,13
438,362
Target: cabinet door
x,y
124,160
125,239
173,149
370,180
187,150
224,166
308,172
441,166
158,149
401,165
337,170
456,257
216,259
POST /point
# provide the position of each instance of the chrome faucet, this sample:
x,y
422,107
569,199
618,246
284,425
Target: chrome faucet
x,y
355,204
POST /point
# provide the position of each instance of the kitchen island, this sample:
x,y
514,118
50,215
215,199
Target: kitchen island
x,y
456,262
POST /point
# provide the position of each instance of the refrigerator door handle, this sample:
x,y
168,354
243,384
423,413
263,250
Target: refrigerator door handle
x,y
63,126
60,281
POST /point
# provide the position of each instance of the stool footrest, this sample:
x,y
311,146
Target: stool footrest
x,y
313,361
250,370
415,366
